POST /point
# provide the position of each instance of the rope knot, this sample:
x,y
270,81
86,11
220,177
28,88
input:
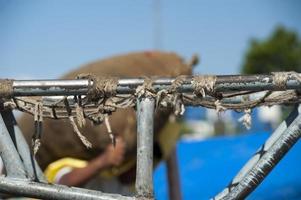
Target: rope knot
x,y
6,88
280,79
146,89
170,97
102,86
204,85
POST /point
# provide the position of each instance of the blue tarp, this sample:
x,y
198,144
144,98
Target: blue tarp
x,y
207,166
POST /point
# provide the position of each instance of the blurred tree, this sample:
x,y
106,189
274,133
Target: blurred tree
x,y
280,52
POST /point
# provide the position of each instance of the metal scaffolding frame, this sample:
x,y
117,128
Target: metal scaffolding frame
x,y
25,178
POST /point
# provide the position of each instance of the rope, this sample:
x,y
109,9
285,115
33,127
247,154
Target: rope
x,y
108,126
102,86
6,88
203,85
280,79
219,107
246,119
172,97
177,83
81,121
38,125
83,139
296,76
146,89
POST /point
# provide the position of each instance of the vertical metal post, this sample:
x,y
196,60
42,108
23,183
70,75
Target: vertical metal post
x,y
145,136
32,168
11,159
173,176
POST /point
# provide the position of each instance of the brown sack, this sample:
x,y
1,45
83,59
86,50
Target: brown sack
x,y
58,139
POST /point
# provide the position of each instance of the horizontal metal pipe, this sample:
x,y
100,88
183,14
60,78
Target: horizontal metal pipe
x,y
50,87
128,85
18,187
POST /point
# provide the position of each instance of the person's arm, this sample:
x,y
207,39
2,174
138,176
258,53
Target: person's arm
x,y
112,156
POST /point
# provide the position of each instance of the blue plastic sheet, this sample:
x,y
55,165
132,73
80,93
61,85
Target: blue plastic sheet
x,y
207,166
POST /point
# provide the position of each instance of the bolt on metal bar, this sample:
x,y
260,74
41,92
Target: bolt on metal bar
x,y
267,161
264,148
11,159
52,191
32,168
126,86
145,135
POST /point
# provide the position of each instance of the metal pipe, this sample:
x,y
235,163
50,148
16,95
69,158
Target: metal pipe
x,y
126,86
145,136
50,87
174,186
256,157
32,168
52,191
267,161
11,159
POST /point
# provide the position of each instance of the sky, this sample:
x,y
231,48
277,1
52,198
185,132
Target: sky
x,y
45,39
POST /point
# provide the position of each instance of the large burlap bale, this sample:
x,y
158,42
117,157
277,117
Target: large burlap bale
x,y
58,139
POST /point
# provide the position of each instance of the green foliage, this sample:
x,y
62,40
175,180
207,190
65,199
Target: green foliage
x,y
280,52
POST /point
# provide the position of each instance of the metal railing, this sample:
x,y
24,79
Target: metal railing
x,y
25,178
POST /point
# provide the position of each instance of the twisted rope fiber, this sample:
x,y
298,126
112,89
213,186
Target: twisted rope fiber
x,y
83,139
102,86
6,88
38,120
280,78
171,97
204,85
